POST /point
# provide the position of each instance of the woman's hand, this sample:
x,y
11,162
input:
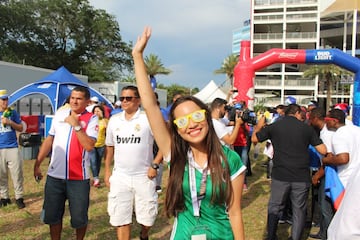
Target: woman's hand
x,y
142,41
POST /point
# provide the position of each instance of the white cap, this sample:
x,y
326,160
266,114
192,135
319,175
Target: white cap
x,y
94,99
118,103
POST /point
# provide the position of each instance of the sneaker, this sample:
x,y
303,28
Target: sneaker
x,y
96,182
158,189
315,236
286,220
20,203
315,224
5,201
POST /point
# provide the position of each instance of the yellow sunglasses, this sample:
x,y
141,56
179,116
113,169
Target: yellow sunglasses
x,y
196,116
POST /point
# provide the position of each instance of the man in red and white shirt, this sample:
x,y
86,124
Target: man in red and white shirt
x,y
72,135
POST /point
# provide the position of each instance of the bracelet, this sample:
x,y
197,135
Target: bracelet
x,y
155,166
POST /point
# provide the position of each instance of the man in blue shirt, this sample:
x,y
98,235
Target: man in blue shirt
x,y
9,153
166,111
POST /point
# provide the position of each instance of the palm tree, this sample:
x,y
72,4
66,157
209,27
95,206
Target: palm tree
x,y
154,67
330,73
227,68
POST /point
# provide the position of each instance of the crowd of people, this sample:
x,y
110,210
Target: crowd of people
x,y
206,149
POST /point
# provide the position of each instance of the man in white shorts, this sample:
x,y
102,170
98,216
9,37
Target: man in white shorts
x,y
129,141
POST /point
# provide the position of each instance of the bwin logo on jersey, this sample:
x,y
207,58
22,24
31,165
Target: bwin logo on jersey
x,y
127,140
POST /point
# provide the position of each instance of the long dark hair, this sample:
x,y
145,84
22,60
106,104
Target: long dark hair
x,y
217,163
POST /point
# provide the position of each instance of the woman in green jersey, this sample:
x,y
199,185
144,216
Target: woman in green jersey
x,y
206,179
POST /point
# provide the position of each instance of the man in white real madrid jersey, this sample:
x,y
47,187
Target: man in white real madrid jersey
x,y
129,141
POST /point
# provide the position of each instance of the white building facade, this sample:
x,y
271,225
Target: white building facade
x,y
297,24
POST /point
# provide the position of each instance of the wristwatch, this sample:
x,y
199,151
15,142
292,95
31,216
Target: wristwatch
x,y
155,166
77,128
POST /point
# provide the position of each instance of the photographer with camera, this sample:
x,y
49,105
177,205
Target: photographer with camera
x,y
241,144
218,112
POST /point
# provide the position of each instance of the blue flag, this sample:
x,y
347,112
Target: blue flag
x,y
334,189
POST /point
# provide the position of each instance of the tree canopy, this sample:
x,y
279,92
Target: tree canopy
x,y
154,66
70,33
329,74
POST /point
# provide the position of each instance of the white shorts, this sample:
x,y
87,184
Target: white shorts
x,y
126,190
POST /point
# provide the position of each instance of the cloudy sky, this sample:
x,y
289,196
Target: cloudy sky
x,y
192,38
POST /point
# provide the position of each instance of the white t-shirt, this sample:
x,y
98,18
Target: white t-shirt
x,y
326,137
220,129
346,221
348,122
346,139
133,143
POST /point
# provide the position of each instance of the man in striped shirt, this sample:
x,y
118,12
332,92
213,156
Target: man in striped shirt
x,y
72,135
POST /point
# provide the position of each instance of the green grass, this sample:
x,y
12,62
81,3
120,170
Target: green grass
x,y
26,224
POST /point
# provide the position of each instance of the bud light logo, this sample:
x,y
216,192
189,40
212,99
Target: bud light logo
x,y
323,56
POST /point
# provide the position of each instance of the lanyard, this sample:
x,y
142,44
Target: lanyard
x,y
196,199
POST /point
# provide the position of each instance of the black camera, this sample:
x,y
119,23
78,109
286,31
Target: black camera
x,y
245,114
248,116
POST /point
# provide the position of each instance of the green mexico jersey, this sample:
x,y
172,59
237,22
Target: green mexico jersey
x,y
214,217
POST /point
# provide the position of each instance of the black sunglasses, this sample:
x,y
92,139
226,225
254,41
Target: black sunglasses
x,y
127,98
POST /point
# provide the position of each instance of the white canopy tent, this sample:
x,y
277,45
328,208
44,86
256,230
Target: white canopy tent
x,y
210,92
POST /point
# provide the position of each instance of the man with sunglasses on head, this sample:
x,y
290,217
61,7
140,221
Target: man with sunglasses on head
x,y
129,141
346,156
345,144
9,153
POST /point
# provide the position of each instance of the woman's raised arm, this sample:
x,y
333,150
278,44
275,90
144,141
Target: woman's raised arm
x,y
148,100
